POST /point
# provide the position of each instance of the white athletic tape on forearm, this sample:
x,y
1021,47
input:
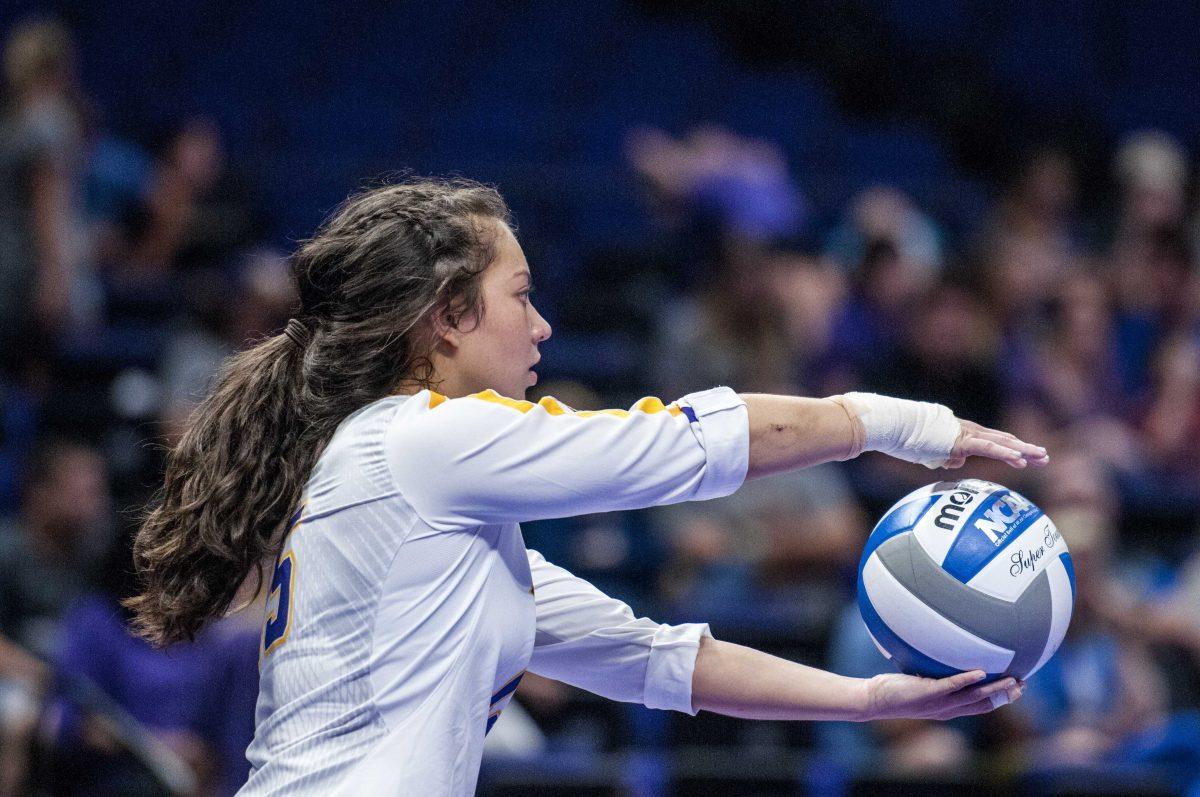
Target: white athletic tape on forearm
x,y
915,431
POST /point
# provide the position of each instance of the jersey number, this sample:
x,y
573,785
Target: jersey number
x,y
279,615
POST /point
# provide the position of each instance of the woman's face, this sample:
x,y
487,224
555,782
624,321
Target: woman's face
x,y
499,350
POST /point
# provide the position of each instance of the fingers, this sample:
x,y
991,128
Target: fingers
x,y
916,697
982,447
1006,448
983,691
961,680
978,707
1036,455
980,441
990,703
945,692
983,698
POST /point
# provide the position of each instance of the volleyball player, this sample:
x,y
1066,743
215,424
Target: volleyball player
x,y
380,454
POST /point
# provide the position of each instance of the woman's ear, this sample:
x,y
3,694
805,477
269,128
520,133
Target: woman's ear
x,y
445,328
447,323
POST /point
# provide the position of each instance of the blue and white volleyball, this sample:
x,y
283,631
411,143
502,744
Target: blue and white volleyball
x,y
964,575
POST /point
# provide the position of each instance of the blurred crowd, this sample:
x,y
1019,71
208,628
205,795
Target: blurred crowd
x,y
129,270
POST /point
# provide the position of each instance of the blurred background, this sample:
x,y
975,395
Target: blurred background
x,y
986,204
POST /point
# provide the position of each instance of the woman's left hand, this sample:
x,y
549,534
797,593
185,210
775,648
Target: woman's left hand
x,y
896,696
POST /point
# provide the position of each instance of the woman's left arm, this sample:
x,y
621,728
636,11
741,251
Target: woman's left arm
x,y
743,682
587,639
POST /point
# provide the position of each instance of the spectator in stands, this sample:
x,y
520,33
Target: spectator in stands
x,y
47,559
1041,204
1020,275
223,314
140,293
199,212
883,213
188,231
1172,420
48,553
197,698
741,184
1168,479
813,294
947,353
1063,375
1032,238
732,331
1151,168
1100,704
1156,287
1168,618
45,253
883,288
1071,372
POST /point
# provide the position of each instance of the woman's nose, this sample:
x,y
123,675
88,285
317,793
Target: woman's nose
x,y
541,328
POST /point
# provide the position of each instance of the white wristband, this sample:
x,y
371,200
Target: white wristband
x,y
915,431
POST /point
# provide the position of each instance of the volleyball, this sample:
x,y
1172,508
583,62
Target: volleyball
x,y
964,575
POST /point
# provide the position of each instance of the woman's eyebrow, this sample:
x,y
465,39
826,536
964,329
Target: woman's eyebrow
x,y
524,273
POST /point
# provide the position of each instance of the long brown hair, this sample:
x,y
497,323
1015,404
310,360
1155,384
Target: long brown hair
x,y
368,281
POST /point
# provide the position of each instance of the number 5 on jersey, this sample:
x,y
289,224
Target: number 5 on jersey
x,y
279,615
279,600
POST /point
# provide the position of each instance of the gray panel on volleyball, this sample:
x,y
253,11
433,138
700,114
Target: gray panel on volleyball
x,y
1022,626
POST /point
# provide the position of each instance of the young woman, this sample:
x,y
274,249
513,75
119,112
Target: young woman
x,y
380,450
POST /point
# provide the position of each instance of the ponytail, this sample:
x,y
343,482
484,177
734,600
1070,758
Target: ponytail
x,y
230,480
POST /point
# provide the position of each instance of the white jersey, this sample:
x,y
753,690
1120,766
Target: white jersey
x,y
404,607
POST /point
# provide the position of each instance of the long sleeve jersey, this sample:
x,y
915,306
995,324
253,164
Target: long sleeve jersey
x,y
404,606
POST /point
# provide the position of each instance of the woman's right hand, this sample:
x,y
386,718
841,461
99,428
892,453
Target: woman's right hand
x,y
896,696
979,441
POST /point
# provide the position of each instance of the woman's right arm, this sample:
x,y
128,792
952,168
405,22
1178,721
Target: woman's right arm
x,y
788,432
488,459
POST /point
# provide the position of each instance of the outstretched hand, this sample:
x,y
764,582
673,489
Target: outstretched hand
x,y
979,441
896,696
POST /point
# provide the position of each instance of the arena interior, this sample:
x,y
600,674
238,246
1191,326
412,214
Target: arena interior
x,y
991,205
